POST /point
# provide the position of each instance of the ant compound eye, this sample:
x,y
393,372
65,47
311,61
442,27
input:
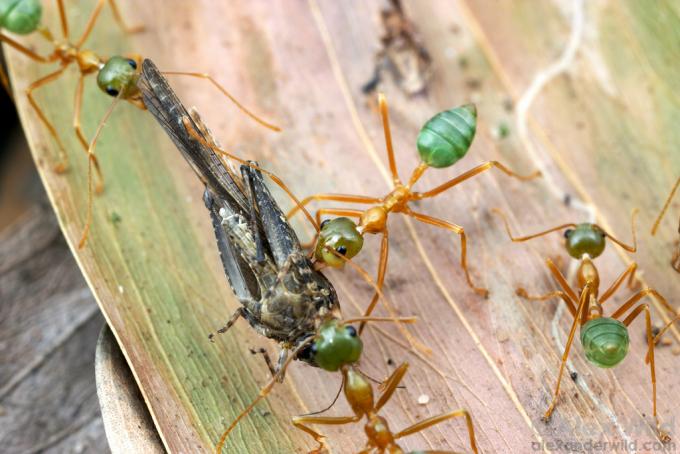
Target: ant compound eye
x,y
132,63
351,331
568,232
112,91
342,250
308,352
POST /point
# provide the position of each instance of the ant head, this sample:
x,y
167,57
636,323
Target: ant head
x,y
336,345
339,235
20,16
586,238
118,77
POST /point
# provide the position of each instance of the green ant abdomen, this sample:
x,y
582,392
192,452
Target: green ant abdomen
x,y
447,136
605,341
20,16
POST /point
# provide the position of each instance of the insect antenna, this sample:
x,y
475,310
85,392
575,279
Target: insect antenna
x,y
263,393
90,159
528,237
380,383
337,395
665,207
412,319
632,248
390,308
224,91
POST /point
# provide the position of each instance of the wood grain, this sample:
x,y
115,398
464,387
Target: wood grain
x,y
157,278
48,321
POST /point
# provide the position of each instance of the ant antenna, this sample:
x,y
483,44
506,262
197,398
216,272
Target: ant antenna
x,y
263,393
337,395
528,237
632,248
90,160
390,308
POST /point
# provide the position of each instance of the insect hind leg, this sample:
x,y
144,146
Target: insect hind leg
x,y
240,312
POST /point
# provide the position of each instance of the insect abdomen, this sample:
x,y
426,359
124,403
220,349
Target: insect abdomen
x,y
605,341
447,136
20,16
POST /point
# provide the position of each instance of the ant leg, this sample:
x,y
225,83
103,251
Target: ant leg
x,y
347,198
301,421
198,137
382,270
582,307
119,18
638,296
94,16
91,159
663,436
240,312
224,91
429,422
264,392
463,244
283,355
528,237
661,332
336,212
81,135
24,50
665,207
557,293
471,173
63,20
380,295
391,384
384,115
630,272
267,359
4,80
567,294
61,166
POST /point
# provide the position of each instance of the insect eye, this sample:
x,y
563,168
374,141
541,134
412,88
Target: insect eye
x,y
112,91
132,63
567,233
307,352
324,223
342,250
351,331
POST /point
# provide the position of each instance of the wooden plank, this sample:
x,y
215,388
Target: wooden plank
x,y
303,63
48,321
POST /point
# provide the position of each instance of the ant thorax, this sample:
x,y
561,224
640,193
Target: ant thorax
x,y
587,274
